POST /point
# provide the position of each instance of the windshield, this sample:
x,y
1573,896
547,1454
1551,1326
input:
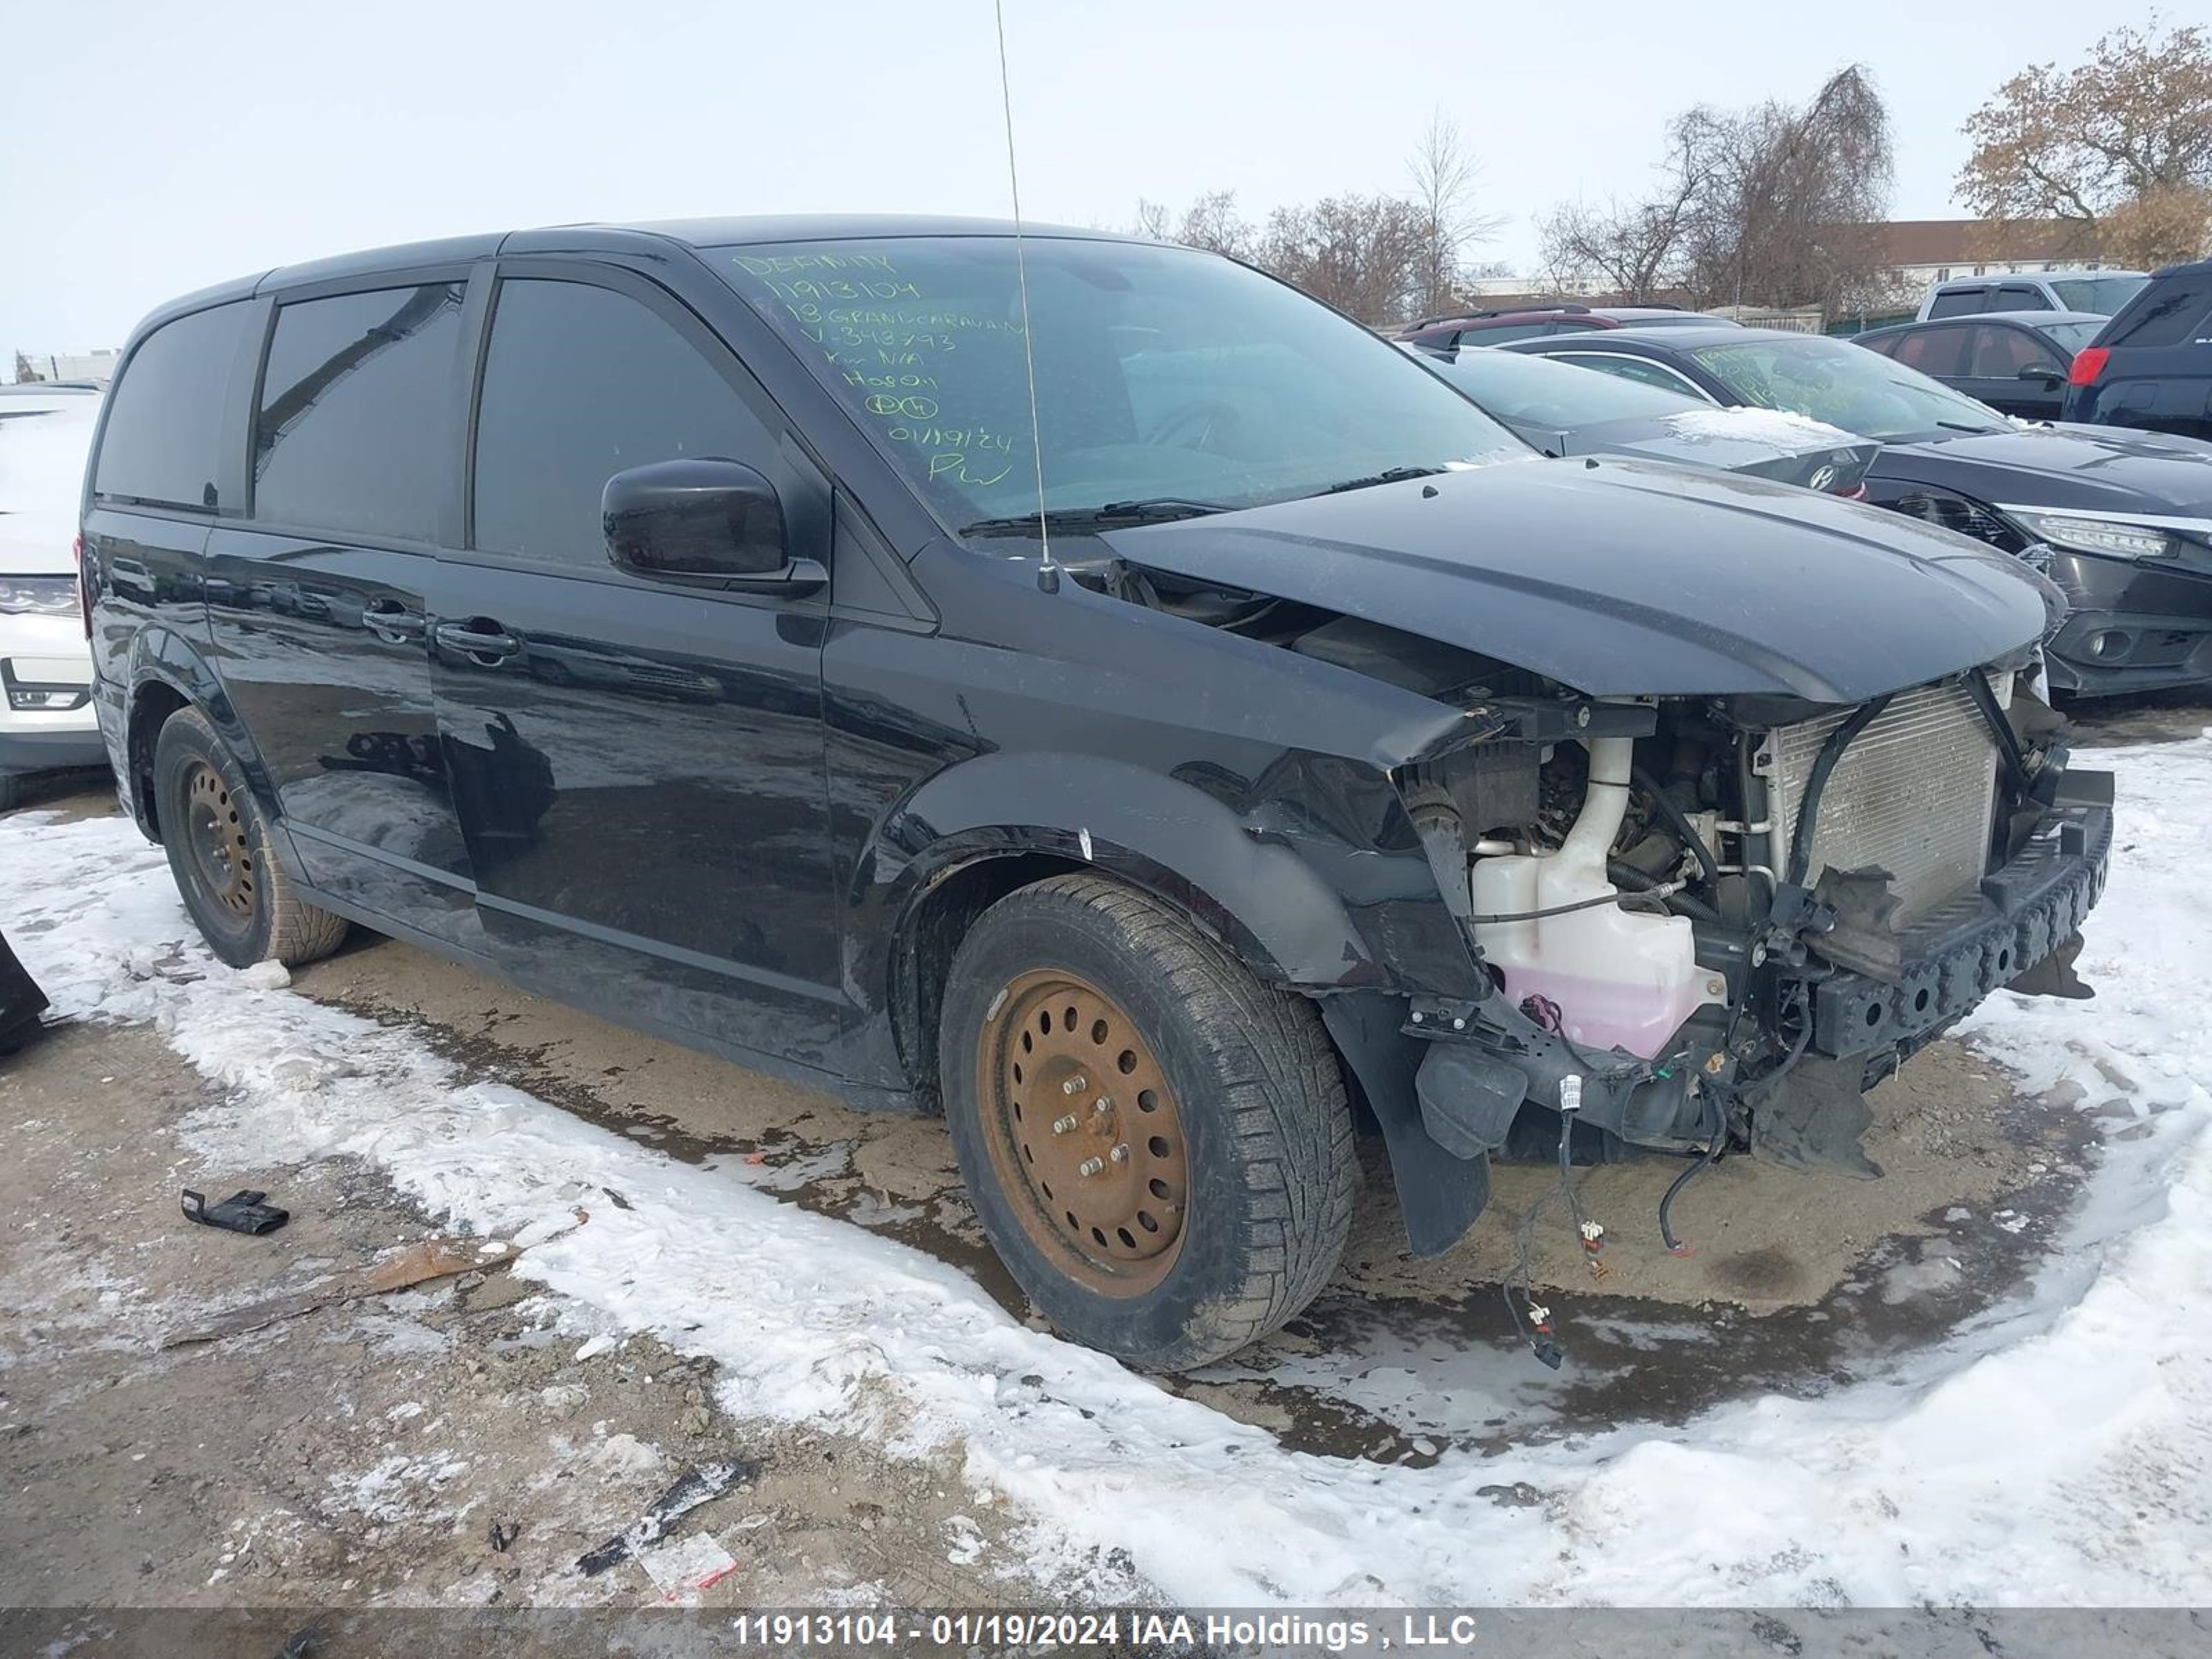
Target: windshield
x,y
1530,391
1844,385
2103,295
1162,373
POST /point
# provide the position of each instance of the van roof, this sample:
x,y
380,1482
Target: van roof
x,y
737,231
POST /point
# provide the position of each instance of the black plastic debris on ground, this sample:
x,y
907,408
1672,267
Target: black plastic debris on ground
x,y
241,1212
692,1488
21,1002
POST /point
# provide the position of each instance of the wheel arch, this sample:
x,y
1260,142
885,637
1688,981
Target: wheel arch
x,y
976,834
166,671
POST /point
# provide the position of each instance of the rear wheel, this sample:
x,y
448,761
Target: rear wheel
x,y
1157,1144
219,852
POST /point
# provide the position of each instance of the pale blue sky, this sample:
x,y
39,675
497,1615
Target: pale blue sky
x,y
155,146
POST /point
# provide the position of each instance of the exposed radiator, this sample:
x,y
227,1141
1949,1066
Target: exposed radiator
x,y
1913,794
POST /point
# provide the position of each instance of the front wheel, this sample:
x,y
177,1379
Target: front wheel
x,y
218,846
1157,1144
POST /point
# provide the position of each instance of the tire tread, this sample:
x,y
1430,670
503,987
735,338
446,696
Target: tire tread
x,y
1284,1100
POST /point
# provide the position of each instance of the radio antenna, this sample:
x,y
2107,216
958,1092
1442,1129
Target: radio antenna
x,y
1048,572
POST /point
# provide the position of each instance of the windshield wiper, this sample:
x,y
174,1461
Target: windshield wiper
x,y
1389,476
1158,509
1960,426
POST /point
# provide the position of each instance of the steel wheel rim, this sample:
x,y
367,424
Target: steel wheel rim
x,y
1085,1133
215,840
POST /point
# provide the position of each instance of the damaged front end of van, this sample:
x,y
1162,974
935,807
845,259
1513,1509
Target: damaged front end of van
x,y
1732,812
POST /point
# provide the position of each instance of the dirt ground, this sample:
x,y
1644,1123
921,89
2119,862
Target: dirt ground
x,y
459,1441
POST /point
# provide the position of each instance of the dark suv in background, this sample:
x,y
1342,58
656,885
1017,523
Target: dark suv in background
x,y
2151,367
663,618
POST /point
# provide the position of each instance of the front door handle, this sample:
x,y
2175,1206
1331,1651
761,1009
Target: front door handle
x,y
391,622
483,641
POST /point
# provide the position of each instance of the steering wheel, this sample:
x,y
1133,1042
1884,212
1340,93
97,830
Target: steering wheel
x,y
1193,425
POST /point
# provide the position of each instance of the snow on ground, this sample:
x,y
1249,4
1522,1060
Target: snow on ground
x,y
2054,1451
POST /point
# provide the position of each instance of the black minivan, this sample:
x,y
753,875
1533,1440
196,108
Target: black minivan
x,y
1238,741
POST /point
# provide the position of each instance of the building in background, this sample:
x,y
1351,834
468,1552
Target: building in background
x,y
1916,252
65,366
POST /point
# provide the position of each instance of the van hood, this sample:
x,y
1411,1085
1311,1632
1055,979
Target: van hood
x,y
1628,579
2063,466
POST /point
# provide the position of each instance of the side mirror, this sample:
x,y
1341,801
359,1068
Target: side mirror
x,y
706,521
2042,377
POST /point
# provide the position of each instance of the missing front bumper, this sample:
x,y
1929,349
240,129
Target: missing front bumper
x,y
1984,939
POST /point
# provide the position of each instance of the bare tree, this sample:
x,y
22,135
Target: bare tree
x,y
2120,145
1362,254
1783,197
1212,222
1631,249
1444,176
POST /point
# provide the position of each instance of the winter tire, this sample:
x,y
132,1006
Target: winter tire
x,y
1158,1145
218,846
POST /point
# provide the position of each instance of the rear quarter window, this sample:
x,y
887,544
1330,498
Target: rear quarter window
x,y
2172,310
352,433
164,439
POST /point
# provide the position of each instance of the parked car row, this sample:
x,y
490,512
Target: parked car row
x,y
708,625
2144,362
1562,411
2122,521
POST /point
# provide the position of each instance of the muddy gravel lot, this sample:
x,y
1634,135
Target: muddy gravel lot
x,y
198,1418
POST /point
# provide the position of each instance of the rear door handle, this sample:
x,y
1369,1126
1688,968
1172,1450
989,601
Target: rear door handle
x,y
391,622
486,641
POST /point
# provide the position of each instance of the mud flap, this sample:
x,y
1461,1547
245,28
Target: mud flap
x,y
1816,1118
1439,1195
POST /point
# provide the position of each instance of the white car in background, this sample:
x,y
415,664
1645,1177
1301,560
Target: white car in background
x,y
47,719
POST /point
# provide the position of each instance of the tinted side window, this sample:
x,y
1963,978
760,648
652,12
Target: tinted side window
x,y
2021,296
1958,302
352,433
1883,345
1933,351
1997,353
582,383
2171,310
1503,333
164,440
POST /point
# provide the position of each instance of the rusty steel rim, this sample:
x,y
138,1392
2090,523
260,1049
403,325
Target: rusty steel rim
x,y
214,833
1084,1131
